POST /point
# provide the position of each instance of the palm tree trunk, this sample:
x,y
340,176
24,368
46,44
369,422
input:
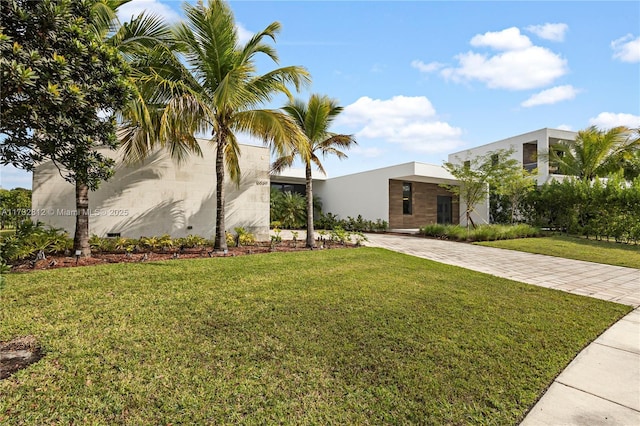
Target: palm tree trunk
x,y
220,242
310,237
81,237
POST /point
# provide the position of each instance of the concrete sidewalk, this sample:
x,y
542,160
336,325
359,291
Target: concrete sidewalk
x,y
601,386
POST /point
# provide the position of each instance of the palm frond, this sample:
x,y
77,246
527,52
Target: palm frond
x,y
275,128
282,163
143,32
104,20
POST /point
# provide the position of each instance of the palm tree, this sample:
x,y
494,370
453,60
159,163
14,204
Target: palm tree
x,y
595,153
145,43
216,91
314,118
224,92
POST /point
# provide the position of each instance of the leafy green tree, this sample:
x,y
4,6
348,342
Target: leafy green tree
x,y
597,153
314,119
15,205
61,86
477,174
515,186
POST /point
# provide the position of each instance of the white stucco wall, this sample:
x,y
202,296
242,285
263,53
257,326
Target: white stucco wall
x,y
367,193
540,137
161,197
360,193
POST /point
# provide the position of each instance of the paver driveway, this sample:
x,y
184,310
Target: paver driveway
x,y
614,283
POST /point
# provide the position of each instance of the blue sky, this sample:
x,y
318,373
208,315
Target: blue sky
x,y
422,79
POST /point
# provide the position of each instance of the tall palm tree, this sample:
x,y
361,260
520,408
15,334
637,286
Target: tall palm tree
x,y
595,153
216,91
225,92
314,118
144,42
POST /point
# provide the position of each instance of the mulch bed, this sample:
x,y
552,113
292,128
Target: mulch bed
x,y
97,258
17,354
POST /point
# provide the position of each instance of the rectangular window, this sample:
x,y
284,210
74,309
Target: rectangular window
x,y
494,159
406,198
467,164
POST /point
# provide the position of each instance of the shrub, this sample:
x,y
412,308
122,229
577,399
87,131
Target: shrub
x,y
243,237
276,238
434,230
331,221
338,234
380,225
481,233
165,242
326,221
191,241
231,239
32,238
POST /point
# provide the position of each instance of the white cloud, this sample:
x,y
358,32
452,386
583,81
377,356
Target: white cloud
x,y
608,120
519,66
509,39
564,127
627,48
525,69
410,122
553,32
244,35
155,7
551,96
430,67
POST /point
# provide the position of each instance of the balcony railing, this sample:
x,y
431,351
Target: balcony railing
x,y
530,166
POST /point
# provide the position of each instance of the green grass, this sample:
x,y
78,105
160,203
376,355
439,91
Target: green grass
x,y
576,248
359,336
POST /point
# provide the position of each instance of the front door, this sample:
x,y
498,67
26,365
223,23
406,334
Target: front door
x,y
444,209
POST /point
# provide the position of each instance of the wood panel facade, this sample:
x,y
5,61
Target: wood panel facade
x,y
424,204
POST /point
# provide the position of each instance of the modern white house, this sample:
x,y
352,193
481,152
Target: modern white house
x,y
407,195
161,197
530,149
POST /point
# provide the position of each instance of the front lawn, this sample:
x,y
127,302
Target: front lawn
x,y
359,336
576,248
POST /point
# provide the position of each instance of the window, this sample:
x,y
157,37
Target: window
x,y
113,235
494,159
406,198
294,188
467,164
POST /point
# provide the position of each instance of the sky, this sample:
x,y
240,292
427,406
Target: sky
x,y
421,79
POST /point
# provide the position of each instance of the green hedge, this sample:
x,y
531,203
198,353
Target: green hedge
x,y
600,209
